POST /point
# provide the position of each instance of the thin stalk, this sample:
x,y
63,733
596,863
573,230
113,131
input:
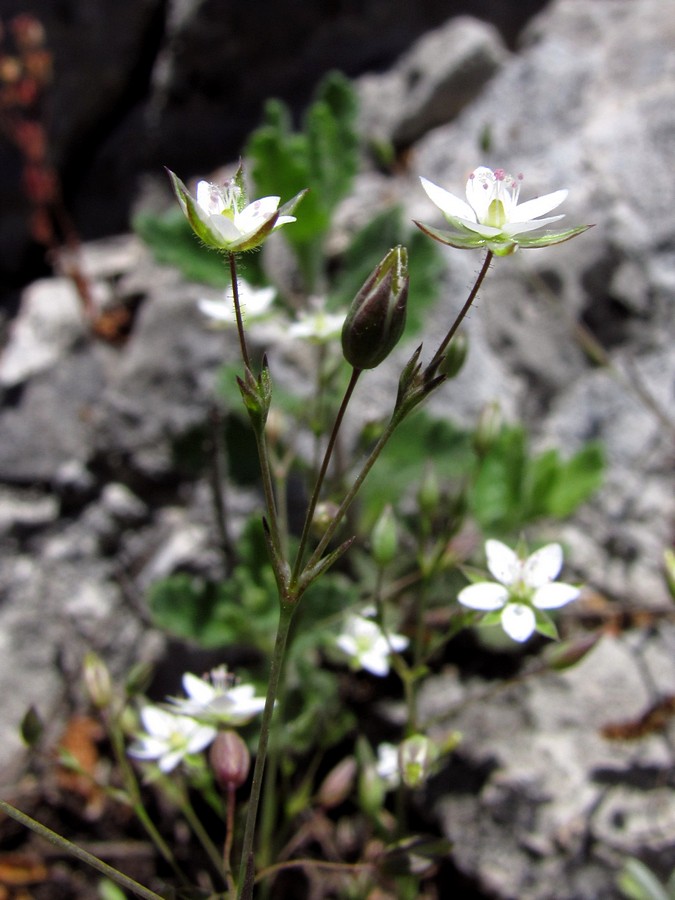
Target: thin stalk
x,y
73,850
322,472
218,483
438,356
131,785
237,310
268,488
247,867
201,833
229,838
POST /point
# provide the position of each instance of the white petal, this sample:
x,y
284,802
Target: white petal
x,y
256,214
448,204
480,190
398,642
518,621
158,722
283,220
502,562
200,739
210,198
376,663
170,760
553,596
484,595
487,231
543,566
197,688
514,228
530,209
223,227
219,310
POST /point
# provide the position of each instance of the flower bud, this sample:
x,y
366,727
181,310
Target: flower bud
x,y
97,680
417,754
429,492
490,423
376,318
338,784
384,539
230,759
455,355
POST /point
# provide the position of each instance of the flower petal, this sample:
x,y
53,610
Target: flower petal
x,y
514,228
553,596
197,688
448,204
484,595
256,214
530,209
502,562
518,621
543,566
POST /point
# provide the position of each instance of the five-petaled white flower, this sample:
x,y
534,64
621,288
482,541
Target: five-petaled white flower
x,y
222,217
169,737
256,303
367,646
522,586
492,218
216,700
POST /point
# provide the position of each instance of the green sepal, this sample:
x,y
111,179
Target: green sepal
x,y
309,576
549,238
545,625
452,239
257,395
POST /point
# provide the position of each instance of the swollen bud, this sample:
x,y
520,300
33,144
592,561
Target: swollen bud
x,y
376,318
384,539
455,355
230,759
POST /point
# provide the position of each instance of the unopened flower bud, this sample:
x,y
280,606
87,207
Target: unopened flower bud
x,y
488,428
230,759
417,754
323,516
338,784
376,318
429,493
384,539
97,680
455,355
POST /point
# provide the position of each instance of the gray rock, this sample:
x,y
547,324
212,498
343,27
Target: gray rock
x,y
440,75
546,798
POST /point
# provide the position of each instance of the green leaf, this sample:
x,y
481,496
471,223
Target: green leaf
x,y
495,496
637,882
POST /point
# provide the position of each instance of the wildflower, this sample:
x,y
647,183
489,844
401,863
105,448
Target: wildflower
x,y
216,700
255,304
492,217
367,645
522,586
318,327
169,738
222,217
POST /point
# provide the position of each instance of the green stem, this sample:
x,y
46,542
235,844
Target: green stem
x,y
322,473
438,356
134,794
200,832
237,311
247,867
73,850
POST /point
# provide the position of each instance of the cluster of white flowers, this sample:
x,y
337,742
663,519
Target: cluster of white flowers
x,y
188,725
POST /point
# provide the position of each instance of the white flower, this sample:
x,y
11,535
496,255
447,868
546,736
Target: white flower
x,y
387,765
216,700
255,304
491,216
319,327
169,737
522,585
224,219
364,642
